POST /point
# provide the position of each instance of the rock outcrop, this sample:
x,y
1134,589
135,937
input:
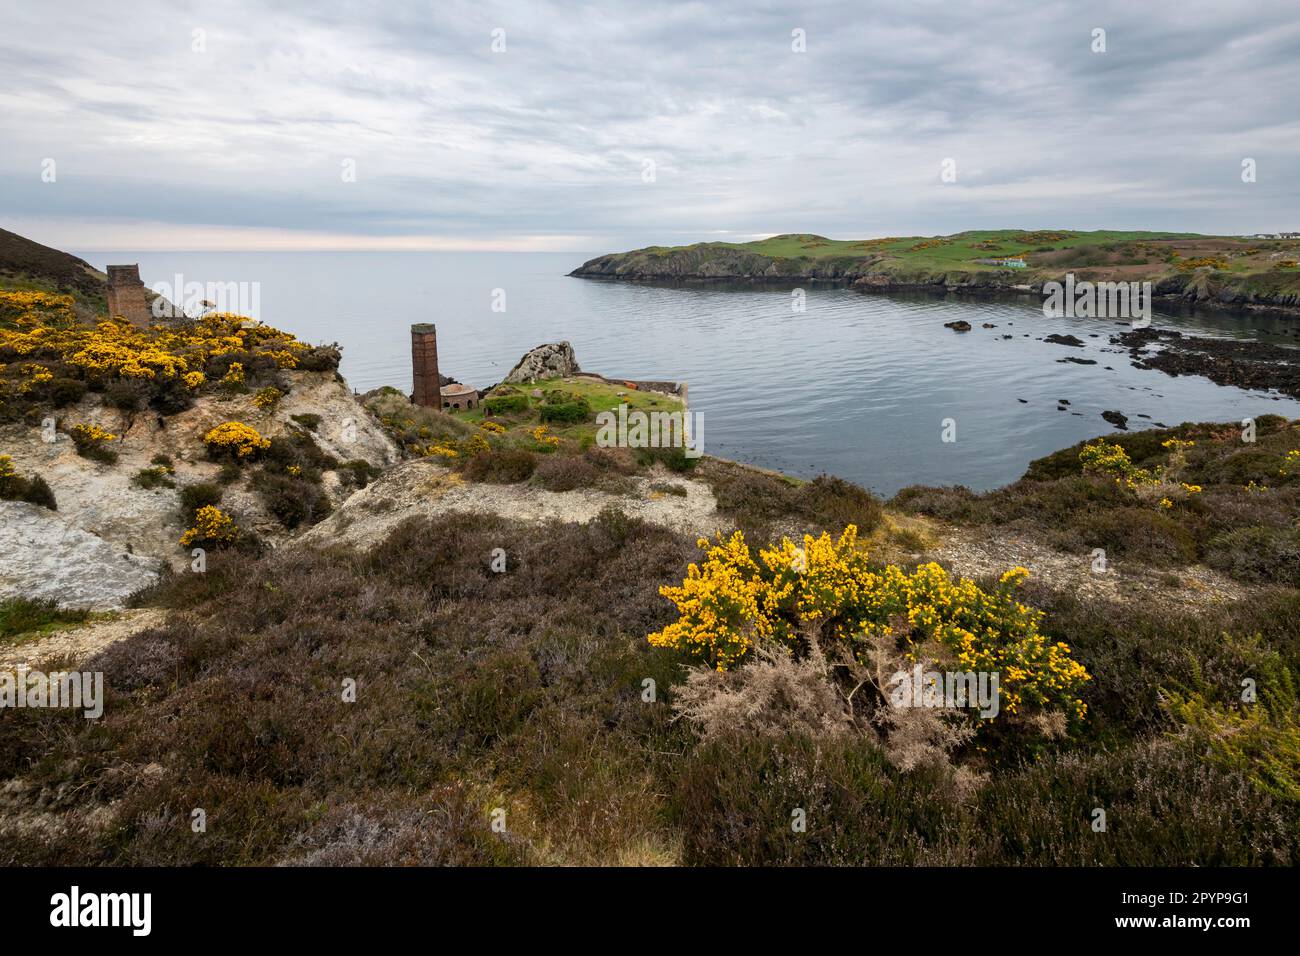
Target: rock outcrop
x,y
110,536
45,557
552,360
424,489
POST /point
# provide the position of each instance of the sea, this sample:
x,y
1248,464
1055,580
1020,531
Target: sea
x,y
868,387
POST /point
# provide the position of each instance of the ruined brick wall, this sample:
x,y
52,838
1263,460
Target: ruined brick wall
x,y
126,295
427,389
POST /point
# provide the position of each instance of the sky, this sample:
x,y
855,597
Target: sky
x,y
602,127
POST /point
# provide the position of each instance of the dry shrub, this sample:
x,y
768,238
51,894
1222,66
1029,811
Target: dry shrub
x,y
773,694
565,473
444,830
776,693
502,466
910,737
766,505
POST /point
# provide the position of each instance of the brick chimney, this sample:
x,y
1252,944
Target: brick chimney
x,y
427,388
126,295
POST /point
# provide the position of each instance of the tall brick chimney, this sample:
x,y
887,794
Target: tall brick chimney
x,y
427,389
126,295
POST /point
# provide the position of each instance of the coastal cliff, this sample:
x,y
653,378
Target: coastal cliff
x,y
1207,270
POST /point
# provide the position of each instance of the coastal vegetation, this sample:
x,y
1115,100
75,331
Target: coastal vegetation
x,y
617,691
50,357
526,692
546,431
33,489
1224,270
1166,497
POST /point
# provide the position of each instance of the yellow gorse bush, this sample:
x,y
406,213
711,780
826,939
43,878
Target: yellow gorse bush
x,y
213,526
236,438
1104,458
45,326
91,435
732,599
267,397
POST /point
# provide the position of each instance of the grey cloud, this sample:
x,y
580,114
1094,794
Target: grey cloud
x,y
549,138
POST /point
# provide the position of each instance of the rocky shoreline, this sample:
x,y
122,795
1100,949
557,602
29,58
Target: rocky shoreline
x,y
1254,365
713,266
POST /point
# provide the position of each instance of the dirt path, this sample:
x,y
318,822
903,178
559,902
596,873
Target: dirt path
x,y
80,641
987,551
424,489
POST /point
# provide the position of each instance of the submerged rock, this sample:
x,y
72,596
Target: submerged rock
x,y
1057,339
1118,419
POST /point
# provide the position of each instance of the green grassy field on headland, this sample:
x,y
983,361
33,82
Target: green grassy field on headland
x,y
1230,270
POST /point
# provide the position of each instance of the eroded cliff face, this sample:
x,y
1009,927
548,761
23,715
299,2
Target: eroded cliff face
x,y
109,536
717,263
709,261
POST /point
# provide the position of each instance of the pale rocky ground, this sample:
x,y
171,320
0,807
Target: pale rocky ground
x,y
45,557
424,489
109,537
976,552
80,642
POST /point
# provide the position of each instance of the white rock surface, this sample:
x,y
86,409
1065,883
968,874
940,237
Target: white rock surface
x,y
552,360
421,488
102,501
42,557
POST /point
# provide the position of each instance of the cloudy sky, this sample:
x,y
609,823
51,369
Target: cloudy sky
x,y
234,125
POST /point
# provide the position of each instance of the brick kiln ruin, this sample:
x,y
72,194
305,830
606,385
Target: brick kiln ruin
x,y
126,295
428,387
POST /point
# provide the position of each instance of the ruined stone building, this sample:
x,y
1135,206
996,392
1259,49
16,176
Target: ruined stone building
x,y
427,390
458,396
126,296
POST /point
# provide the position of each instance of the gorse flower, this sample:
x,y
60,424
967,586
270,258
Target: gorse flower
x,y
1103,458
731,600
237,439
43,327
212,526
90,435
91,442
267,397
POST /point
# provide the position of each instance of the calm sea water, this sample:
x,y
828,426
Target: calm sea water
x,y
857,385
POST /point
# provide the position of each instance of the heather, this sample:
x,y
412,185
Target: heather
x,y
534,691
